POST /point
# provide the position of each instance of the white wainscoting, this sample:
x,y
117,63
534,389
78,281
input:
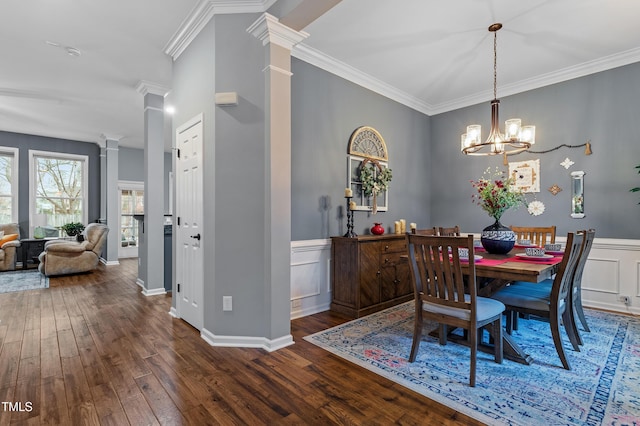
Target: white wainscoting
x,y
612,271
310,277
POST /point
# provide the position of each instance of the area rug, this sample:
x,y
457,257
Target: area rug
x,y
603,386
22,280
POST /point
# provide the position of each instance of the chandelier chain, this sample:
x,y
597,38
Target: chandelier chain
x,y
495,65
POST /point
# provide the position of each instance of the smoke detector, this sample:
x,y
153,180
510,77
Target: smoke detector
x,y
70,50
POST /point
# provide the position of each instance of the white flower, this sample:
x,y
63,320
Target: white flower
x,y
536,208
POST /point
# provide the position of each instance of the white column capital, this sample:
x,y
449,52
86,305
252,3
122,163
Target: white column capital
x,y
268,29
145,87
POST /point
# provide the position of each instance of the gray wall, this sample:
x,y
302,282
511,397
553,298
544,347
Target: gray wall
x,y
326,109
31,142
240,168
234,152
602,107
130,167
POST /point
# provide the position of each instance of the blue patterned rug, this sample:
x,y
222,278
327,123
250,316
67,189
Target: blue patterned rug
x,y
22,280
603,386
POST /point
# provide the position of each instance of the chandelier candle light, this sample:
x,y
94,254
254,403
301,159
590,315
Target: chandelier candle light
x,y
517,138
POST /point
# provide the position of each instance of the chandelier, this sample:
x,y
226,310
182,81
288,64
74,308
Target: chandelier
x,y
517,138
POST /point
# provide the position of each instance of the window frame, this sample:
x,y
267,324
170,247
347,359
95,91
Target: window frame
x,y
125,185
84,159
15,172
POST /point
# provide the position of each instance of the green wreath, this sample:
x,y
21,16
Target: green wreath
x,y
372,182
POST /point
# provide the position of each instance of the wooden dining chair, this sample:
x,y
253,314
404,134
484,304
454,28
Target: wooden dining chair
x,y
449,232
538,235
575,296
576,293
532,298
439,289
426,231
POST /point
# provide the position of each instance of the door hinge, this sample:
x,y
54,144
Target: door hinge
x,y
178,288
178,220
178,152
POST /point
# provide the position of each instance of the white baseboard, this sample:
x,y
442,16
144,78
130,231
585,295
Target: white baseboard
x,y
140,282
154,291
173,312
299,313
246,341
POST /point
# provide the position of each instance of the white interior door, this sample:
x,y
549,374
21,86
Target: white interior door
x,y
189,232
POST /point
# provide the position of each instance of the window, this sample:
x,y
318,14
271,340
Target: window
x,y
8,185
58,187
131,203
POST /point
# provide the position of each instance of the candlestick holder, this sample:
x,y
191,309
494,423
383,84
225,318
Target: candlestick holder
x,y
350,233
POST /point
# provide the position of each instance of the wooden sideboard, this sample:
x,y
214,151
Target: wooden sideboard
x,y
367,274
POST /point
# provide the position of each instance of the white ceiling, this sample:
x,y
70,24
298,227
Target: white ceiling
x,y
431,55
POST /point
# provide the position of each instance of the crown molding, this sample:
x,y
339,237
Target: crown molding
x,y
570,73
202,14
145,87
349,73
111,137
268,29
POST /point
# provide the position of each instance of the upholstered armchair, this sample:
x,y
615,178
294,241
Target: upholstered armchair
x,y
61,257
9,246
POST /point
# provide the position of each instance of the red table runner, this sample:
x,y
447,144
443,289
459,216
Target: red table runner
x,y
551,261
491,262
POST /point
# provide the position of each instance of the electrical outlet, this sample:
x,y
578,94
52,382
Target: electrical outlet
x,y
296,303
626,300
227,303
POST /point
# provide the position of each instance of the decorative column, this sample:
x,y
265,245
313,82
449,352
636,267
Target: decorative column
x,y
278,41
111,212
153,223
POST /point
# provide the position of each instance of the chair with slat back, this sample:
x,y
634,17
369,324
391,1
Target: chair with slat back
x,y
426,231
532,298
449,232
575,296
439,288
538,235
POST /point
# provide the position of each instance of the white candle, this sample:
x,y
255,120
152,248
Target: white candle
x,y
352,205
413,226
396,227
348,192
403,226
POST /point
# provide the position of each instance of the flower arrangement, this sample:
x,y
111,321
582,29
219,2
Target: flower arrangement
x,y
496,194
374,179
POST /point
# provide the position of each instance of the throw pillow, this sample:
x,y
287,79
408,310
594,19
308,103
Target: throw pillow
x,y
7,238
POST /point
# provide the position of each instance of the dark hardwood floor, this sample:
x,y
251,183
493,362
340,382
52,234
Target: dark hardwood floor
x,y
92,349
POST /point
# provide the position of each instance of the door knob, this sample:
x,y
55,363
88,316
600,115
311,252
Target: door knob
x,y
197,237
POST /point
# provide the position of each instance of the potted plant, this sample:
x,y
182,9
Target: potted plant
x,y
73,229
636,189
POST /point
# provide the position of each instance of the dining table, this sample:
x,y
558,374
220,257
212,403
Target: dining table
x,y
494,271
